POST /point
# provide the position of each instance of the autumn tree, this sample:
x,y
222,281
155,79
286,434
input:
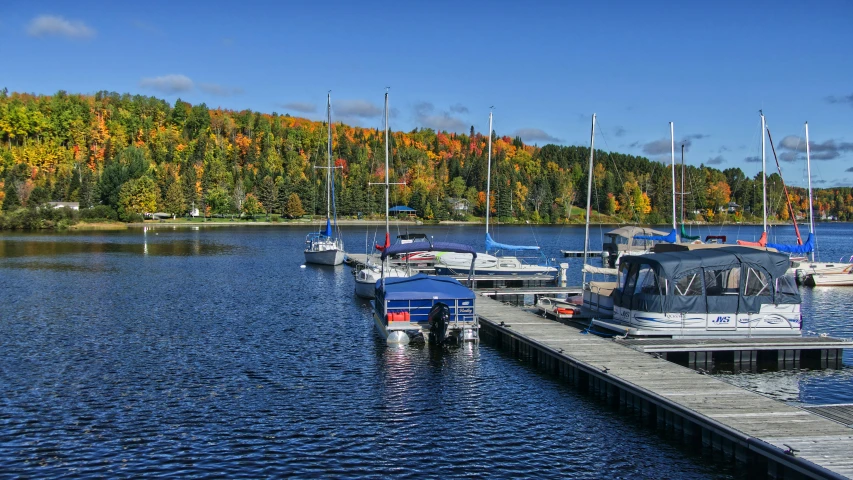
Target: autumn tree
x,y
137,196
251,205
719,194
293,207
174,202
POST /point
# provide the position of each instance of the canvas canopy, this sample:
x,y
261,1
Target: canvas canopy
x,y
427,246
422,286
720,280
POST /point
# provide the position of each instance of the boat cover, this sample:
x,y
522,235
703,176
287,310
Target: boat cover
x,y
328,231
715,280
807,247
429,247
493,245
685,236
760,243
671,237
422,286
631,232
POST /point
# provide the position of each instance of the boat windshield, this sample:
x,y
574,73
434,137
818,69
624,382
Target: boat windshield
x,y
756,283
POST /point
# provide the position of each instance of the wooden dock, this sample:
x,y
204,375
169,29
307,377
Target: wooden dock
x,y
766,434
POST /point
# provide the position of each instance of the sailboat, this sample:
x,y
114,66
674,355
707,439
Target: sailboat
x,y
597,299
326,247
821,274
366,278
486,264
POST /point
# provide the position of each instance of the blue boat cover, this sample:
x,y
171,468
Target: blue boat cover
x,y
807,247
493,245
428,247
422,286
328,231
671,238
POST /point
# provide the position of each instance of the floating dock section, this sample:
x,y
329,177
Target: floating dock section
x,y
767,435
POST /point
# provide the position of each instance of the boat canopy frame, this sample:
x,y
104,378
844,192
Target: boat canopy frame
x,y
721,280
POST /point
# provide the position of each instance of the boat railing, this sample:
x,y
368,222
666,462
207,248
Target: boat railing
x,y
419,313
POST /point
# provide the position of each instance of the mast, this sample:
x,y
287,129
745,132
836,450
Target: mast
x,y
489,173
329,155
809,173
672,150
588,197
387,186
682,186
763,175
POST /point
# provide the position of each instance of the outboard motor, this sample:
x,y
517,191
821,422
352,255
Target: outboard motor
x,y
439,321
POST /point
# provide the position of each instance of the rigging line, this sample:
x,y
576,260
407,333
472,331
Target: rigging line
x,y
634,214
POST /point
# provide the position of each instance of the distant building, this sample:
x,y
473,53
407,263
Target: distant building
x,y
71,205
730,207
459,206
402,211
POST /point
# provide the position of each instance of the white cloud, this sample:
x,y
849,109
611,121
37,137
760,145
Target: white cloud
x,y
173,83
52,25
533,135
301,107
442,121
356,108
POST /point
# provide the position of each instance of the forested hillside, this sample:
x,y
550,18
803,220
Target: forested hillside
x,y
138,154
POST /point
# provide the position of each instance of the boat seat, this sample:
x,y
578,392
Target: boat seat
x,y
602,288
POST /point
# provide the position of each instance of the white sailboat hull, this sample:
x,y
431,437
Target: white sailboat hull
x,y
366,278
324,257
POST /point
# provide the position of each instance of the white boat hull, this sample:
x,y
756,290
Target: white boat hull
x,y
324,257
831,280
770,321
365,289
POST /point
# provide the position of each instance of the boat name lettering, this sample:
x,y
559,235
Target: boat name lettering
x,y
722,319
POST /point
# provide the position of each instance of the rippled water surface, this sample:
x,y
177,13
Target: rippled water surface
x,y
212,353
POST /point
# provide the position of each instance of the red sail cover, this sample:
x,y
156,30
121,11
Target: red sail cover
x,y
762,242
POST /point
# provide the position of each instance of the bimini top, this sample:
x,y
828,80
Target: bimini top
x,y
719,280
428,247
422,286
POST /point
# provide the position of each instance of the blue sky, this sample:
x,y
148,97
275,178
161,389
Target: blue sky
x,y
544,66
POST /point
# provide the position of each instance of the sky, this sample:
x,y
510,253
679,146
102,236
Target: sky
x,y
544,67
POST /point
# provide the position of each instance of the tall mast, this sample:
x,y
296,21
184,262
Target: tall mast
x,y
588,196
329,155
809,173
672,149
387,185
489,174
763,175
682,186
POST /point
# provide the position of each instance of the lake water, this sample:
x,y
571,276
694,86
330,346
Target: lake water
x,y
210,352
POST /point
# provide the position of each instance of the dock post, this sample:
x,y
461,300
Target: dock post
x,y
787,359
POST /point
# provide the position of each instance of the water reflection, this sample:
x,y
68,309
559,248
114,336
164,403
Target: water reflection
x,y
15,248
